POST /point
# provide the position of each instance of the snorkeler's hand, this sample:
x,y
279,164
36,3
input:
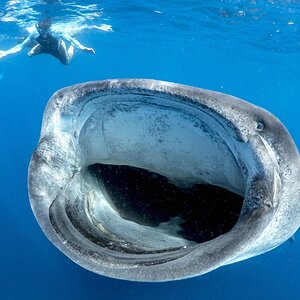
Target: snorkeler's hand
x,y
2,53
90,50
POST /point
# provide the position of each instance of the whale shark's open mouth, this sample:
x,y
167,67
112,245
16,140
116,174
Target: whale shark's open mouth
x,y
198,213
131,174
155,176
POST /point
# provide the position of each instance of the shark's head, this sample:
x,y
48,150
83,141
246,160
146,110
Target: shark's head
x,y
152,181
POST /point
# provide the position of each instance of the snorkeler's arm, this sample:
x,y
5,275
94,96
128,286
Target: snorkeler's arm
x,y
19,47
76,44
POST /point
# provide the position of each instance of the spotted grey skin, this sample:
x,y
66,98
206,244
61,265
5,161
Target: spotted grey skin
x,y
188,135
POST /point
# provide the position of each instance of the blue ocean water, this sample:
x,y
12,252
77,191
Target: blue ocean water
x,y
250,49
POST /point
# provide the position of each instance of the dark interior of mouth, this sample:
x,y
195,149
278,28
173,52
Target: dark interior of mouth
x,y
204,211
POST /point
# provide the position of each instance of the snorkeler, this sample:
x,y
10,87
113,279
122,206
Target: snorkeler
x,y
50,42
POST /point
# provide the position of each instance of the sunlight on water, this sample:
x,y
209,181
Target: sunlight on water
x,y
270,25
68,16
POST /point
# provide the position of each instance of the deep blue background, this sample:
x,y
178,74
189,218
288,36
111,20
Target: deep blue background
x,y
30,266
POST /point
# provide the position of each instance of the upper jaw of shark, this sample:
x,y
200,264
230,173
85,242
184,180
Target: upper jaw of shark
x,y
152,181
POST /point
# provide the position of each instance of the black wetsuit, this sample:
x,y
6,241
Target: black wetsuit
x,y
52,45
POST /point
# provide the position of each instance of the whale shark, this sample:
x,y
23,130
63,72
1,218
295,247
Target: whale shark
x,y
147,180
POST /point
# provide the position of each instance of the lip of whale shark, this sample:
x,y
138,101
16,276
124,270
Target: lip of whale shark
x,y
185,134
